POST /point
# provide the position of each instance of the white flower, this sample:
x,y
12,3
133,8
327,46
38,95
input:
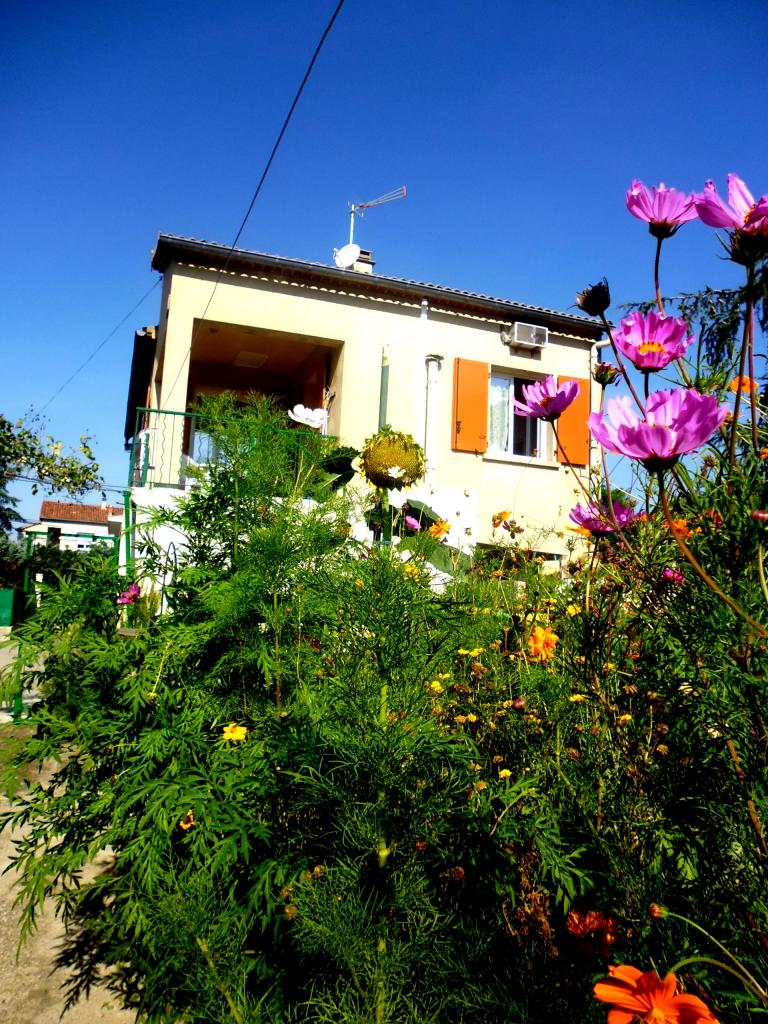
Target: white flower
x,y
314,418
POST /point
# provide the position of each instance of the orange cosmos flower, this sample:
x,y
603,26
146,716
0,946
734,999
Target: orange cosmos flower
x,y
542,643
680,527
499,517
638,996
439,528
745,384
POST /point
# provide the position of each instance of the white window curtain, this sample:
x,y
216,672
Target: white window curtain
x,y
509,432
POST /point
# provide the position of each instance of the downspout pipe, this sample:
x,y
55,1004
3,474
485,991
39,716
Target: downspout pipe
x,y
384,386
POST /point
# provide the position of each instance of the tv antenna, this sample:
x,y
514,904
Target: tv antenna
x,y
360,208
349,253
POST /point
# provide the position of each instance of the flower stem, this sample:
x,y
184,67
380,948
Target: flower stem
x,y
752,985
761,572
723,949
745,347
620,364
699,569
659,300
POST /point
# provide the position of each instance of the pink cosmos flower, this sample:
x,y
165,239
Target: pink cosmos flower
x,y
596,518
651,342
740,213
665,209
412,523
673,576
675,423
544,400
131,595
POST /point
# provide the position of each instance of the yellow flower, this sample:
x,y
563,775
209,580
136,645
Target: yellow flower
x,y
572,609
359,584
499,517
409,569
542,643
471,718
474,653
234,733
439,528
187,821
436,687
505,773
662,749
577,698
624,719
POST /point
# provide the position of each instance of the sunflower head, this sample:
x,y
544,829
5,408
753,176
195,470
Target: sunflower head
x,y
391,460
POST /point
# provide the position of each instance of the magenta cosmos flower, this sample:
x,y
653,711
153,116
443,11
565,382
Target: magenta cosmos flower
x,y
597,519
675,423
664,209
651,342
131,595
740,213
544,400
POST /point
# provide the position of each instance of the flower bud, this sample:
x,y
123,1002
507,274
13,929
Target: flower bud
x,y
760,515
657,912
605,374
595,298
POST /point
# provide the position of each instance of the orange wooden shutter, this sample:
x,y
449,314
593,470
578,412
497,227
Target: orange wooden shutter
x,y
470,406
572,426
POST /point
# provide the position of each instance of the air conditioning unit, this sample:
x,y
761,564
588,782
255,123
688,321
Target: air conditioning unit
x,y
525,336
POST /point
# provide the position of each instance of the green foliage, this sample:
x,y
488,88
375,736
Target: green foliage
x,y
26,452
322,791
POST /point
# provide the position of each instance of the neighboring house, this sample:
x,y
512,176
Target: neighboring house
x,y
319,336
74,527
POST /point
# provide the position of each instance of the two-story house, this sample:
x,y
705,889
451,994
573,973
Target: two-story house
x,y
436,362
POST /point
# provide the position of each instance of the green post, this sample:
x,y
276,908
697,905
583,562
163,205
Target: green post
x,y
128,534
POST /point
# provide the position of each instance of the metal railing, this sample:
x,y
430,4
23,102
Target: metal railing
x,y
167,444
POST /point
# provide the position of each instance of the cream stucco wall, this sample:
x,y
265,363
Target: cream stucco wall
x,y
538,491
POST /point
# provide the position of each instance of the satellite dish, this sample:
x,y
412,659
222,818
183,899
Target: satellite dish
x,y
346,255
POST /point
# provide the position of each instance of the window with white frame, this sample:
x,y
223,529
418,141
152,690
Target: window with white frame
x,y
509,433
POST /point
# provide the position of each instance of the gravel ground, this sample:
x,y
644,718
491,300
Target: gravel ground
x,y
29,992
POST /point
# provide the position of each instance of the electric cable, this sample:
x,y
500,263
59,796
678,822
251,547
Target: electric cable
x,y
101,345
259,186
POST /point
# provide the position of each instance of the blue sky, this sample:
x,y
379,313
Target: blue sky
x,y
517,129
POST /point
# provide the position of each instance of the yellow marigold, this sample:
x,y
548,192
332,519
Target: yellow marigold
x,y
234,733
499,517
471,718
745,384
505,773
542,643
624,719
577,698
571,610
436,687
439,528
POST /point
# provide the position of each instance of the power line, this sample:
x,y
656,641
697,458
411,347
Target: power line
x,y
101,345
262,179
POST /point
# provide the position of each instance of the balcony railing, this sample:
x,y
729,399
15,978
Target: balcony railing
x,y
167,444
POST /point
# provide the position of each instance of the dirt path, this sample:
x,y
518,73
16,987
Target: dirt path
x,y
29,992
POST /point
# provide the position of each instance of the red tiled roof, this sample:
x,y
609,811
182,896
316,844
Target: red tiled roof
x,y
72,512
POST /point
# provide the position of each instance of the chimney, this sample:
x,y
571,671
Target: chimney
x,y
365,262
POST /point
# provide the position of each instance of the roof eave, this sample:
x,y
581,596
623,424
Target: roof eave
x,y
172,249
